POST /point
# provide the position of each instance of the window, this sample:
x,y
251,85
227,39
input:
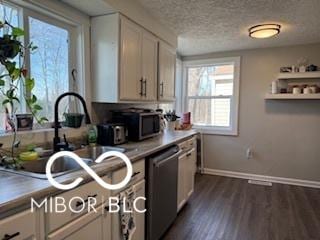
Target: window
x,y
212,91
51,64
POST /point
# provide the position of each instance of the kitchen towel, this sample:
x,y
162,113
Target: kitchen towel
x,y
127,219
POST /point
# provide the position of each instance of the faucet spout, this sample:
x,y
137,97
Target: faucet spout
x,y
56,139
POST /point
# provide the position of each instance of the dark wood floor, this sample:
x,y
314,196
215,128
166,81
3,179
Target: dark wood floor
x,y
224,208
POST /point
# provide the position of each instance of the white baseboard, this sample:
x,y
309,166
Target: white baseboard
x,y
290,181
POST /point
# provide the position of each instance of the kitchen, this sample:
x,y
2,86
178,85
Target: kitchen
x,y
218,124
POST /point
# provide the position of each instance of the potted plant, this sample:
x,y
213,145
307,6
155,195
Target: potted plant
x,y
15,75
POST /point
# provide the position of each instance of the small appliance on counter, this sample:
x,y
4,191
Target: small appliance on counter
x,y
111,134
141,123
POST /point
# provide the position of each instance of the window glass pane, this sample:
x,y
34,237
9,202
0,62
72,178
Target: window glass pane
x,y
49,64
210,80
166,107
210,112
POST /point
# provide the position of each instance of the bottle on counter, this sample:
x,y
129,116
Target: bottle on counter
x,y
92,135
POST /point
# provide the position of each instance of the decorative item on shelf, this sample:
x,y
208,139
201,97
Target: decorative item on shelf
x,y
274,87
24,122
283,90
294,69
296,90
302,63
312,68
307,90
314,88
286,69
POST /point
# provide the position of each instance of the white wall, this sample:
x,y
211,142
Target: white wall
x,y
284,135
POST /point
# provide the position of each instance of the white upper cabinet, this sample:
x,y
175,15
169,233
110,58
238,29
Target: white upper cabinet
x,y
130,61
167,63
149,66
124,61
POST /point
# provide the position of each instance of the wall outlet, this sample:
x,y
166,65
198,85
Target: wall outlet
x,y
249,153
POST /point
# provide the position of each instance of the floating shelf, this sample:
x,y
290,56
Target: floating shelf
x,y
288,96
305,75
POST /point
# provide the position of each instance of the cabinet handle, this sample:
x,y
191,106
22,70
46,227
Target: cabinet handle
x,y
135,174
8,237
145,87
80,203
141,87
161,89
107,208
188,154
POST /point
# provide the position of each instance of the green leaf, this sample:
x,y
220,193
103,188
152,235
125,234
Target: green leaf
x,y
17,32
6,101
37,107
29,84
10,66
15,74
10,93
34,98
2,82
17,99
43,119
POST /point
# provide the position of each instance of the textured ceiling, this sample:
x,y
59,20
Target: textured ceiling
x,y
206,26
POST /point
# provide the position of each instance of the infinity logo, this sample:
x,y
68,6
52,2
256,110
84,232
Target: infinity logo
x,y
76,182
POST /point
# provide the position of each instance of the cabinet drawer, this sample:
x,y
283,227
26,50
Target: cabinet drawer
x,y
183,145
92,189
88,226
138,174
191,143
19,226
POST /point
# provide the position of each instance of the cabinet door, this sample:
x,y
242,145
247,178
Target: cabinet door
x,y
92,230
20,226
191,155
181,181
88,226
149,66
167,63
130,61
139,234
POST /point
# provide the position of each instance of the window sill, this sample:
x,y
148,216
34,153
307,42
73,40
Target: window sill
x,y
216,131
38,130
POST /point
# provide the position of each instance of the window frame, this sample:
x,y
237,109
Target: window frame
x,y
72,57
234,98
75,31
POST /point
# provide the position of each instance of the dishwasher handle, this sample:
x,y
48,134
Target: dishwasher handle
x,y
159,163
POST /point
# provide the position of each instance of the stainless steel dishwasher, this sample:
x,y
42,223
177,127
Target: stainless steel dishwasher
x,y
162,179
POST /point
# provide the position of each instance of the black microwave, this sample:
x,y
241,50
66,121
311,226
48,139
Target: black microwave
x,y
140,124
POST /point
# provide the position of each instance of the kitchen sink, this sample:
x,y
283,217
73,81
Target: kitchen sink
x,y
96,151
63,165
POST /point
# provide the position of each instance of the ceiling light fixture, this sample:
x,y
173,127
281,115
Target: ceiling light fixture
x,y
264,30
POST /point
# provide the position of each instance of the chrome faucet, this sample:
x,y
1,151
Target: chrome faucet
x,y
57,145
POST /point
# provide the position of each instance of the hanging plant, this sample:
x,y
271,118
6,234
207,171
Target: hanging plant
x,y
15,76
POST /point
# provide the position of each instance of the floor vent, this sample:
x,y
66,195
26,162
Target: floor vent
x,y
258,182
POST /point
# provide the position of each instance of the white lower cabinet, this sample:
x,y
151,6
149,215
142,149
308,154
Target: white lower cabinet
x,y
139,233
181,181
21,226
186,172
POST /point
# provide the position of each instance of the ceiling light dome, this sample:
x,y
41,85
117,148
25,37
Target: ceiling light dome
x,y
264,30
